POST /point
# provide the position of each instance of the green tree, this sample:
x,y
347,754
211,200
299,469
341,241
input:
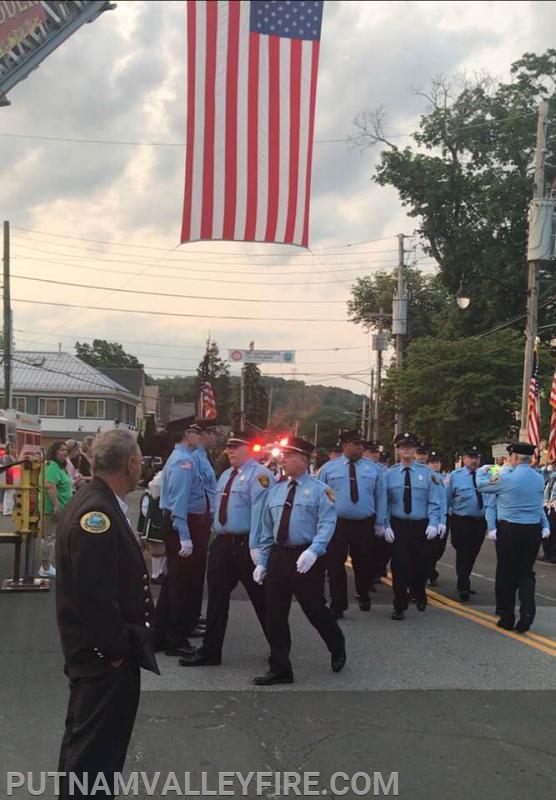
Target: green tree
x,y
219,375
106,354
256,397
431,309
468,181
455,392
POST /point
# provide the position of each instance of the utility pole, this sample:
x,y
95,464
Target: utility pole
x,y
269,414
378,372
370,420
7,321
316,434
533,264
242,399
399,322
364,431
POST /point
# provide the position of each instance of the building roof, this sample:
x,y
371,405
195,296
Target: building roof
x,y
133,379
36,371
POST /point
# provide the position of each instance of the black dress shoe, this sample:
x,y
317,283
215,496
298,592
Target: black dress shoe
x,y
198,659
397,614
198,632
338,660
271,678
471,591
337,614
365,605
522,625
464,597
184,649
372,588
507,623
433,581
421,605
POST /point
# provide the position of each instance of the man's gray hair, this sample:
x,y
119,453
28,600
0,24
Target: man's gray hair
x,y
522,459
111,450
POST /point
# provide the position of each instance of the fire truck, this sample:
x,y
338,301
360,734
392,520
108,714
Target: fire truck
x,y
22,431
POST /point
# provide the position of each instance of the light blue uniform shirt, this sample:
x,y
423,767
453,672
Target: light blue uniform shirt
x,y
179,475
426,490
443,479
371,485
461,494
519,494
245,500
207,475
312,521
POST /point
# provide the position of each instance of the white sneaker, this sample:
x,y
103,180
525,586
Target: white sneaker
x,y
47,573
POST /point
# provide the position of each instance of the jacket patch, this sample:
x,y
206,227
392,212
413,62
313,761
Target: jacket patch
x,y
264,480
94,522
330,494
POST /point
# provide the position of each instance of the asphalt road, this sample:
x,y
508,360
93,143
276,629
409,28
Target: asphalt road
x,y
454,706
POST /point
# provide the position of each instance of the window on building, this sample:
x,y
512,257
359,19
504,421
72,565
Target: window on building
x,y
20,404
91,409
52,407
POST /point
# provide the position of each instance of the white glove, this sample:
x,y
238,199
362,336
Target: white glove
x,y
545,533
255,554
259,574
186,548
442,531
306,561
379,531
389,535
492,535
431,532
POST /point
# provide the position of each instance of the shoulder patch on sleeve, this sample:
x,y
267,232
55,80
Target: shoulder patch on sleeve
x,y
330,494
94,522
264,480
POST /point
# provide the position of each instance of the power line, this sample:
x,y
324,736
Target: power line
x,y
171,294
181,346
214,252
175,314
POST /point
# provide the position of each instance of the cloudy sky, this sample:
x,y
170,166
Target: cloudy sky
x,y
108,214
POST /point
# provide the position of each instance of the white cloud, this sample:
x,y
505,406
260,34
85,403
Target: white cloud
x,y
123,78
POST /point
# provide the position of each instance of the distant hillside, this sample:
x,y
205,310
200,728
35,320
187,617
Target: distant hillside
x,y
292,401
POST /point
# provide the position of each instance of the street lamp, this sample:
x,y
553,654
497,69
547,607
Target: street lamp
x,y
462,295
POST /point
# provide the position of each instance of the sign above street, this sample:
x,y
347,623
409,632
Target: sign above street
x,y
261,356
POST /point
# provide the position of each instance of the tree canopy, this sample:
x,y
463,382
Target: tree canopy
x,y
468,181
106,354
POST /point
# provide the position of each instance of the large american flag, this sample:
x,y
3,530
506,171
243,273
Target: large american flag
x,y
533,429
251,91
207,401
552,438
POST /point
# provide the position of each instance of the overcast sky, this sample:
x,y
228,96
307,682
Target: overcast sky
x,y
123,78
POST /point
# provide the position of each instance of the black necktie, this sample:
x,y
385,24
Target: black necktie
x,y
407,492
477,492
353,488
223,510
284,526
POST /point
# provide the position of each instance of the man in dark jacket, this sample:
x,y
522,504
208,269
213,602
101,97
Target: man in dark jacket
x,y
104,609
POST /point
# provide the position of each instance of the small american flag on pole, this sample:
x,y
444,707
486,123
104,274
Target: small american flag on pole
x,y
207,401
251,91
552,438
533,429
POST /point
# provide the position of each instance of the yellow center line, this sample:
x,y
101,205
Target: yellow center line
x,y
487,621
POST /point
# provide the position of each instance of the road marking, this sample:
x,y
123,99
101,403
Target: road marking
x,y
541,643
486,578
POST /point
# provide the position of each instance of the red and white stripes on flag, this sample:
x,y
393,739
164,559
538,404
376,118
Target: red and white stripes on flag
x,y
552,437
250,120
533,429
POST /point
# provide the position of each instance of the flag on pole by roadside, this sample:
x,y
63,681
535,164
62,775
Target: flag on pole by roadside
x,y
552,437
251,91
533,428
206,406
